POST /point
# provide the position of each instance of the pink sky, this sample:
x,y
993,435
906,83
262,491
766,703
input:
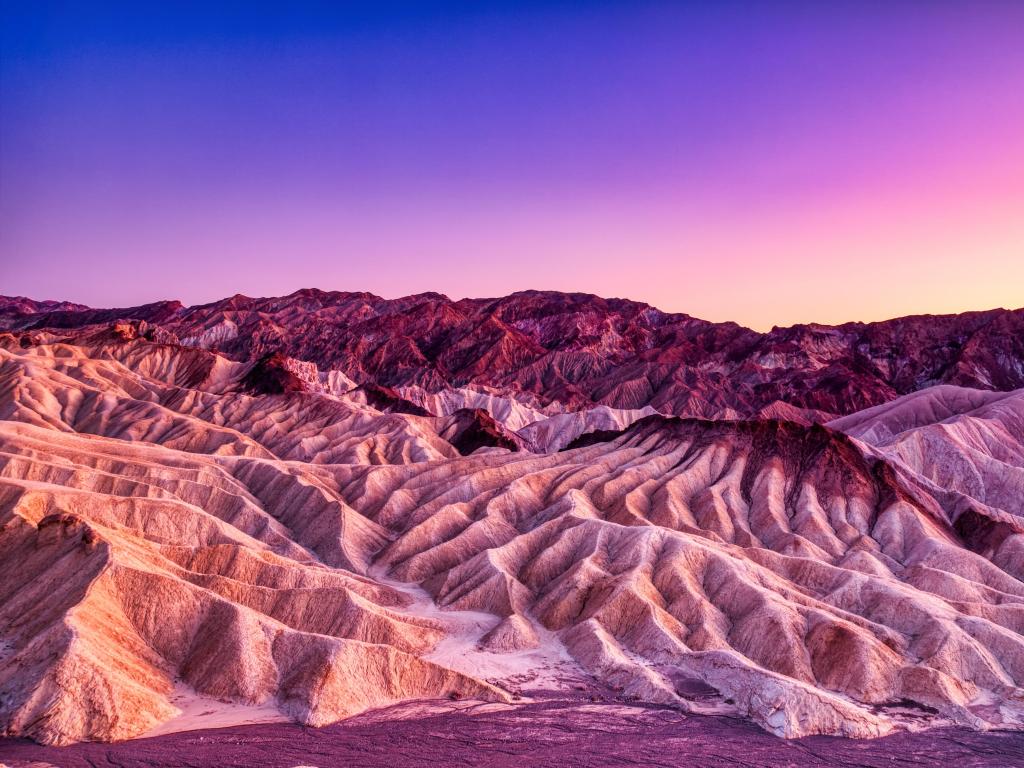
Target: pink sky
x,y
735,162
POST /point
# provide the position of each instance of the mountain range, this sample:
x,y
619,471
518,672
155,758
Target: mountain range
x,y
310,506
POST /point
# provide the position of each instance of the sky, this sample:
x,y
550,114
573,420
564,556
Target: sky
x,y
763,162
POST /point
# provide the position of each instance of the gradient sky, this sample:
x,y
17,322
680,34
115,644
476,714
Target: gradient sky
x,y
764,162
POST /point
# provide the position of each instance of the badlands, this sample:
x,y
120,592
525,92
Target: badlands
x,y
301,509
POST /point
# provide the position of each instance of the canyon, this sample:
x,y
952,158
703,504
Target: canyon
x,y
308,508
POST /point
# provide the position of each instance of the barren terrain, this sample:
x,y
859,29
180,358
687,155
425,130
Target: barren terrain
x,y
201,527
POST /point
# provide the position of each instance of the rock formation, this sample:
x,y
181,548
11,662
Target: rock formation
x,y
574,351
321,504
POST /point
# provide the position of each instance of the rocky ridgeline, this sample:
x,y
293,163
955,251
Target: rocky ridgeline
x,y
579,350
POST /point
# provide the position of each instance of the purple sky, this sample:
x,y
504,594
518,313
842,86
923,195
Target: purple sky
x,y
762,162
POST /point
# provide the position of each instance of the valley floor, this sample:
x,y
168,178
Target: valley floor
x,y
557,731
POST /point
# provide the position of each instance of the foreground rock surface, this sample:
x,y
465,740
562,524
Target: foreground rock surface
x,y
547,733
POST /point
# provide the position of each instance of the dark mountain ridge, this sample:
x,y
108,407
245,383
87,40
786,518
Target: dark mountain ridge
x,y
581,350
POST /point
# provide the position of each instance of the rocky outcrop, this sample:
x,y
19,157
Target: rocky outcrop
x,y
472,429
271,375
386,399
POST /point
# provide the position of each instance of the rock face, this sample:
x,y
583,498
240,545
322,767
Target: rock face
x,y
272,375
321,504
470,429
